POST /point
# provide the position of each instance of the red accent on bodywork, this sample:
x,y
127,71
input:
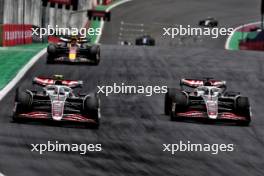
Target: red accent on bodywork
x,y
200,114
37,115
228,115
192,114
66,117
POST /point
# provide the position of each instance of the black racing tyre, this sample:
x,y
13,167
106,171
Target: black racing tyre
x,y
138,42
50,59
168,100
23,101
91,106
95,54
242,105
215,24
201,23
52,49
180,100
152,42
243,108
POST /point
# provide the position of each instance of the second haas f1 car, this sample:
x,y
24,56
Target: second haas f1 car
x,y
57,102
73,50
207,100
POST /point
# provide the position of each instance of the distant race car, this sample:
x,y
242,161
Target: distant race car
x,y
146,40
56,101
73,49
208,22
207,100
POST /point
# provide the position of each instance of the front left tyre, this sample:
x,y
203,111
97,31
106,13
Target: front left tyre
x,y
179,103
175,101
23,102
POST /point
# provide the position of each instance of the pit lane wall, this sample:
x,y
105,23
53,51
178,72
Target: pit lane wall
x,y
16,34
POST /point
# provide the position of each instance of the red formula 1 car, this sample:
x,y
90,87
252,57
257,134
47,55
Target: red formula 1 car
x,y
57,102
207,100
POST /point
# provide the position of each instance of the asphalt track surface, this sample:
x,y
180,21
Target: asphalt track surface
x,y
134,127
156,14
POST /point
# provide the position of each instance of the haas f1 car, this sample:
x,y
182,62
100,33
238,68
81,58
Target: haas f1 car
x,y
57,102
207,100
73,50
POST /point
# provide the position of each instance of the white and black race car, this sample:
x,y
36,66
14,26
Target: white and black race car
x,y
145,40
56,101
208,22
207,100
73,49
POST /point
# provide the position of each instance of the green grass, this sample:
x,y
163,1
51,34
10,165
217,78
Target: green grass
x,y
12,59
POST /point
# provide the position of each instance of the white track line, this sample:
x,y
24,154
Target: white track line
x,y
107,10
236,29
131,30
20,74
1,174
131,24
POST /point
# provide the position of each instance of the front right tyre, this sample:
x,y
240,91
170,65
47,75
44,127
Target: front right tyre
x,y
242,108
91,107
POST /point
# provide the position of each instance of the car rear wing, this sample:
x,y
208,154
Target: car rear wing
x,y
42,81
194,83
99,15
79,40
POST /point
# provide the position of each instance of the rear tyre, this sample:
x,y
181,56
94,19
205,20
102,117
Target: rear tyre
x,y
91,107
52,48
50,59
95,54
